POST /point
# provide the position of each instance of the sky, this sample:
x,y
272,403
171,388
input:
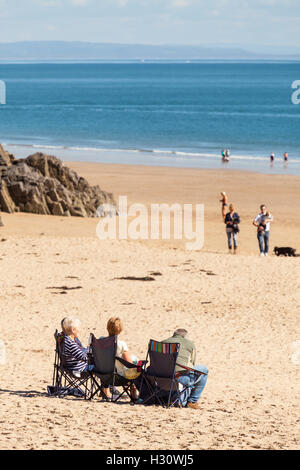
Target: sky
x,y
245,23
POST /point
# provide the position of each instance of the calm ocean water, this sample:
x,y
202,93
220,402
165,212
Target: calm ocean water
x,y
176,114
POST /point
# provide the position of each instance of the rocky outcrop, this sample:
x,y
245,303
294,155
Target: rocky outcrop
x,y
6,158
42,184
6,202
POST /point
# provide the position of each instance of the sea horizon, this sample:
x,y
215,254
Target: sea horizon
x,y
165,113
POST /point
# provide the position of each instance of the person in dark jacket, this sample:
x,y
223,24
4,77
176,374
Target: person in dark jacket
x,y
232,221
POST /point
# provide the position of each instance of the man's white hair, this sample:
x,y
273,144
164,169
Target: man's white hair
x,y
69,323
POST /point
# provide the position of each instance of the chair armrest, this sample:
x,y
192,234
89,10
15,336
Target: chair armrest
x,y
190,369
129,365
91,360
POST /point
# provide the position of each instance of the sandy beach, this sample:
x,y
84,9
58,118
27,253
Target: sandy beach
x,y
243,318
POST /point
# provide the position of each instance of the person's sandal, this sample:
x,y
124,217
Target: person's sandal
x,y
107,394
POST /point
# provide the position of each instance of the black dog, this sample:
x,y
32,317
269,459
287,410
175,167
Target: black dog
x,y
284,251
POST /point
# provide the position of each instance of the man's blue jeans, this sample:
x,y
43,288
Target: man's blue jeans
x,y
195,383
263,240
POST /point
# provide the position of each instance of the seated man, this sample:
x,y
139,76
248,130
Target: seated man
x,y
187,358
76,357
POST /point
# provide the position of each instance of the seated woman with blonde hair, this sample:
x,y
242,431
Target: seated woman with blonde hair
x,y
114,328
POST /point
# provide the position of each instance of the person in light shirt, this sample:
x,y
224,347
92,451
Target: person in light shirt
x,y
263,222
114,328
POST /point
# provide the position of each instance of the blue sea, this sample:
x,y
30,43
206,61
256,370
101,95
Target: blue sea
x,y
174,114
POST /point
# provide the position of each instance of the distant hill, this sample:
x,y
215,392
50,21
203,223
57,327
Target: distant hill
x,y
60,50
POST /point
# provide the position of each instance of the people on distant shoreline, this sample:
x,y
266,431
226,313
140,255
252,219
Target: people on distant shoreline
x,y
262,221
224,201
232,221
225,156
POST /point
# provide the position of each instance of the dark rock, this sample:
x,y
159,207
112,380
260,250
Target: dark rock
x,y
56,209
78,211
17,192
53,195
6,202
5,157
42,184
36,206
39,161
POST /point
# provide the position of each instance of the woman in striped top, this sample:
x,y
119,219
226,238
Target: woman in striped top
x,y
76,357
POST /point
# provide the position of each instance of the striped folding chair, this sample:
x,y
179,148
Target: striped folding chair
x,y
67,382
158,383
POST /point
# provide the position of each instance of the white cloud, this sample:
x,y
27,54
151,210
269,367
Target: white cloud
x,y
180,3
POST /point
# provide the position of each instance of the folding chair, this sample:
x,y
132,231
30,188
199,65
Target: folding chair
x,y
104,356
159,383
65,381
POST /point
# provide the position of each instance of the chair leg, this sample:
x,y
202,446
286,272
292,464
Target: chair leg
x,y
127,390
179,395
151,390
98,389
170,394
54,371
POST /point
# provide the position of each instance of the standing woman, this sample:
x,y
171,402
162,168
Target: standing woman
x,y
232,221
